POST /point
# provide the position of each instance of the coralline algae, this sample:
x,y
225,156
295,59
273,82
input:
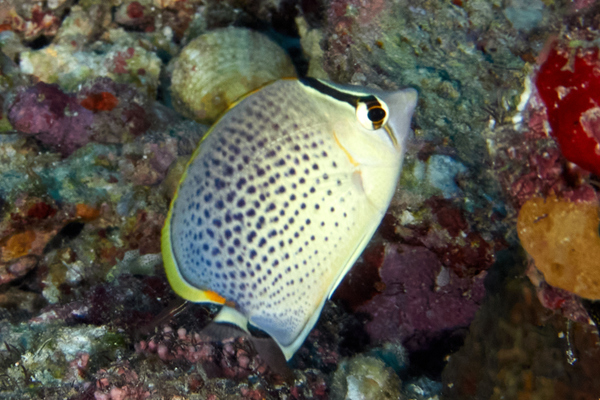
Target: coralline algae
x,y
52,116
421,299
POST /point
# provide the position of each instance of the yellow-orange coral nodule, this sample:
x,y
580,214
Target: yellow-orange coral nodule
x,y
562,238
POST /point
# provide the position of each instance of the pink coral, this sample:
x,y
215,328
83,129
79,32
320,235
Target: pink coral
x,y
422,299
120,382
55,118
232,358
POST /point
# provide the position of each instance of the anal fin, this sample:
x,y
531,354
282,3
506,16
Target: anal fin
x,y
230,323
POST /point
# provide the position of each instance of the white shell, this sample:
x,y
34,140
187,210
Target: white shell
x,y
217,68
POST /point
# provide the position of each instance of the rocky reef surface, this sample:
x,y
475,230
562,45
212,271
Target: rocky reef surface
x,y
481,283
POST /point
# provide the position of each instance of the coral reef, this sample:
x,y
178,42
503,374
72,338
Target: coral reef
x,y
123,58
444,303
34,20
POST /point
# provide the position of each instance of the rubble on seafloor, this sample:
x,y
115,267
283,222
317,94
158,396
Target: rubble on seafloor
x,y
444,303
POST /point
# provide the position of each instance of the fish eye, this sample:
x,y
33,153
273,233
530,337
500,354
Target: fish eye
x,y
372,113
376,114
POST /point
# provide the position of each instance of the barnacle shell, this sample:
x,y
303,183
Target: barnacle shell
x,y
217,68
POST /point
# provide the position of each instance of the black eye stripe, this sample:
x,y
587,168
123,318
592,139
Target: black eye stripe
x,y
349,98
375,111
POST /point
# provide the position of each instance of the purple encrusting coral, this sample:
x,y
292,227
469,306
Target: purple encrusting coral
x,y
422,300
55,118
102,111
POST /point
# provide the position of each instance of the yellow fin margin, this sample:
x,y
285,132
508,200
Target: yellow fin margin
x,y
177,282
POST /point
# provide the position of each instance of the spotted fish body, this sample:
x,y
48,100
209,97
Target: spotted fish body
x,y
280,199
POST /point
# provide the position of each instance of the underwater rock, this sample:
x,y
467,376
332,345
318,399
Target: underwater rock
x,y
159,20
137,15
46,355
422,299
363,281
555,299
18,268
120,382
365,378
11,46
145,232
310,41
220,66
14,300
231,358
33,20
104,111
562,237
147,163
441,173
124,59
25,236
528,162
443,227
525,14
83,23
516,348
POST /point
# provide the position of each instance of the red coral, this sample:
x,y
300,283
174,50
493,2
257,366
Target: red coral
x,y
569,84
135,10
40,210
135,119
103,101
